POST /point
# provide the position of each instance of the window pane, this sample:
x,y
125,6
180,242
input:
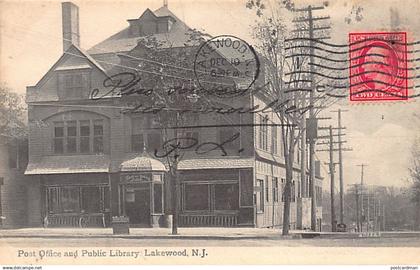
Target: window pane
x,y
98,145
84,145
106,198
59,146
70,199
158,198
196,197
84,128
91,199
59,132
53,206
98,128
71,128
226,197
260,195
137,143
137,125
153,121
71,145
153,141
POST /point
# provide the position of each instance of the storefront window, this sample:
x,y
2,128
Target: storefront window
x,y
76,199
260,196
226,197
91,199
106,198
196,197
158,198
69,198
53,204
211,197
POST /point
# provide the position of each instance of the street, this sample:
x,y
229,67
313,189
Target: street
x,y
126,242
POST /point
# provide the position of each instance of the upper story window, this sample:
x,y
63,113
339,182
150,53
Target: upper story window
x,y
263,132
72,84
83,136
275,189
274,140
143,135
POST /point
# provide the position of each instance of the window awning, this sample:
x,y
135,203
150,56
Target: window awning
x,y
69,164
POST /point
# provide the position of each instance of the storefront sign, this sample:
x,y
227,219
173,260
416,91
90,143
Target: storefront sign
x,y
134,178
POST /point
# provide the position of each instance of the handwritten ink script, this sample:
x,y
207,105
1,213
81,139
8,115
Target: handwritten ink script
x,y
184,143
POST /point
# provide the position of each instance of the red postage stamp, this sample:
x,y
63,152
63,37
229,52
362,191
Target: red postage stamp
x,y
378,66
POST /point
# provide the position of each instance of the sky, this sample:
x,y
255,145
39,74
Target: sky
x,y
380,134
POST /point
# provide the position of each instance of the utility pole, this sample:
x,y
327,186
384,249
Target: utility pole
x,y
332,169
340,164
312,117
379,216
383,217
356,192
361,192
357,209
331,151
368,212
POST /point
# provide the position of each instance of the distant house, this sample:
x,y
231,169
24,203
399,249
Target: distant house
x,y
88,161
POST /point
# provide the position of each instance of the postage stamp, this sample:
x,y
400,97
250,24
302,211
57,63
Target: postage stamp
x,y
378,66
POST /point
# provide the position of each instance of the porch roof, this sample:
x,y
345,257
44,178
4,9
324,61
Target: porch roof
x,y
216,163
69,164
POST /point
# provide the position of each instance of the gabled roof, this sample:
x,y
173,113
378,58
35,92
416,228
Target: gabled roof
x,y
123,42
69,53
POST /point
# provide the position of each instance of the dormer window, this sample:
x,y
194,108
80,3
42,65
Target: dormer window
x,y
73,85
150,24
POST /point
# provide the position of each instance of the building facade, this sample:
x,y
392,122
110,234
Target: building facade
x,y
90,160
13,185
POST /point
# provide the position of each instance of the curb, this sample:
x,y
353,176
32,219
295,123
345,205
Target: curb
x,y
120,236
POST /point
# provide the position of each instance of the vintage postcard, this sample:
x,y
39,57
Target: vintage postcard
x,y
210,132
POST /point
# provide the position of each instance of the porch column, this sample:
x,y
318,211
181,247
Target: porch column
x,y
123,197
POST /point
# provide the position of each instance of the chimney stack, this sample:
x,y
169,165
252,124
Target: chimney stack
x,y
70,14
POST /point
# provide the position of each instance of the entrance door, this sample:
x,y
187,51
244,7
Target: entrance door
x,y
138,206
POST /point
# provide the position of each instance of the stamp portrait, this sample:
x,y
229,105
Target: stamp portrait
x,y
378,66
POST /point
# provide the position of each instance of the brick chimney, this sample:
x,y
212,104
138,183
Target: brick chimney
x,y
70,14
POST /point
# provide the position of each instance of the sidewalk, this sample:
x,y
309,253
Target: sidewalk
x,y
144,233
202,233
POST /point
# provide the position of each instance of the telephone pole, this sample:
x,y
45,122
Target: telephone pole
x,y
312,117
332,169
361,192
332,164
340,164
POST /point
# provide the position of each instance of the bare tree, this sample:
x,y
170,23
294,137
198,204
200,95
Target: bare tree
x,y
287,61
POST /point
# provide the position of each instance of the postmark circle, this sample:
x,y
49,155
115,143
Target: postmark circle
x,y
226,66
